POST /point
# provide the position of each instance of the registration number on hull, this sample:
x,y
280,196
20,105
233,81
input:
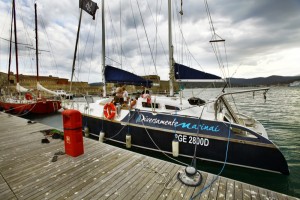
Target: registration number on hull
x,y
192,140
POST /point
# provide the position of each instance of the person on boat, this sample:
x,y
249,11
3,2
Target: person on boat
x,y
147,96
125,95
133,102
116,100
119,94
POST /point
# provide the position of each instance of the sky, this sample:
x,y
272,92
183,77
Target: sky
x,y
262,38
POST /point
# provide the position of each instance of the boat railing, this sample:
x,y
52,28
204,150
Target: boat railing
x,y
230,110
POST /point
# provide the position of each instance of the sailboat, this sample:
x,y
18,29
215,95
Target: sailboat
x,y
183,127
43,105
25,101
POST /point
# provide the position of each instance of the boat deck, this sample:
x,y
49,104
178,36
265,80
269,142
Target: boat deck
x,y
102,172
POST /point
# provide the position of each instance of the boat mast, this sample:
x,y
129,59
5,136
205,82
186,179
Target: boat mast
x,y
10,41
75,52
16,42
171,60
36,44
103,50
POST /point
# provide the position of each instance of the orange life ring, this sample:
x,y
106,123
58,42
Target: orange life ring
x,y
109,110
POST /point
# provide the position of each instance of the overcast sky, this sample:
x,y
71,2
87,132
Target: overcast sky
x,y
262,37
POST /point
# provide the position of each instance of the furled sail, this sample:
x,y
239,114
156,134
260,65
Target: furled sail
x,y
187,74
116,75
20,88
42,88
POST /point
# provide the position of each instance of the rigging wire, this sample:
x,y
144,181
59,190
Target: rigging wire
x,y
49,44
121,56
165,52
147,37
115,45
158,12
215,40
27,38
139,43
93,47
185,42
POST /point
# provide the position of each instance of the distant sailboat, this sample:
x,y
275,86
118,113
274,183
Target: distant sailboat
x,y
43,105
25,101
16,104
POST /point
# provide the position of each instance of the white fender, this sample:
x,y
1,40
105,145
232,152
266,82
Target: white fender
x,y
101,136
175,148
86,131
128,141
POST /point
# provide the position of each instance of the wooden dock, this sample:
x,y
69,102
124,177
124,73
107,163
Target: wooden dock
x,y
102,172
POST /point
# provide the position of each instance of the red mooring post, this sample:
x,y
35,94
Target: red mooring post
x,y
72,122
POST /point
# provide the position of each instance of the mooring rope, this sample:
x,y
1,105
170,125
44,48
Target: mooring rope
x,y
223,167
178,161
164,178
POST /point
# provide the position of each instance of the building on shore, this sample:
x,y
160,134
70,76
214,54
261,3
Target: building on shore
x,y
79,88
49,82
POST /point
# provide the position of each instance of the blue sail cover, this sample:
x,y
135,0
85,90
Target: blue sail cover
x,y
116,75
187,74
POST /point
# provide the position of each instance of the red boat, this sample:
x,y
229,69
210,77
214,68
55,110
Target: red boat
x,y
16,108
45,106
36,106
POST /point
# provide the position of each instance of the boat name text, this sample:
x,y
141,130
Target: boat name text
x,y
204,127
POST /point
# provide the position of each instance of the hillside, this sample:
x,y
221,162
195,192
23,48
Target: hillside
x,y
267,81
238,82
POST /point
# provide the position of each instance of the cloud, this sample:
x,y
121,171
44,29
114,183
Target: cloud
x,y
262,37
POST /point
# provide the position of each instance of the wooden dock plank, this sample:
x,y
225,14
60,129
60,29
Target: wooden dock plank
x,y
102,172
156,192
238,191
143,177
104,178
5,190
54,171
246,192
176,187
214,189
205,191
131,185
93,177
254,193
75,169
221,194
230,190
152,180
106,190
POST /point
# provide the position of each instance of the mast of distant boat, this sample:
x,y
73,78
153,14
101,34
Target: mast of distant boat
x,y
103,50
10,41
36,45
75,52
16,43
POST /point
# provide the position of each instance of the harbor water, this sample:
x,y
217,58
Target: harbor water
x,y
280,115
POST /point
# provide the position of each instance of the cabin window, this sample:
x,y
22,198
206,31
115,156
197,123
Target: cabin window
x,y
168,107
148,105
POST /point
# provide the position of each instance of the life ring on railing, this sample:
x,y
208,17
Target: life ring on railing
x,y
109,110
